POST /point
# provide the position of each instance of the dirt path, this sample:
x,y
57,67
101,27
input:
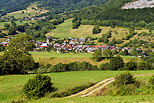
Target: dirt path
x,y
99,86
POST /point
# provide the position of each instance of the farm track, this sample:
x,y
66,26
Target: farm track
x,y
99,86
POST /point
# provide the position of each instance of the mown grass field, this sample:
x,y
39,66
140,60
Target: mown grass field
x,y
29,12
65,30
11,85
55,58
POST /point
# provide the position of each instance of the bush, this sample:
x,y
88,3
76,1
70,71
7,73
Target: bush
x,y
38,86
104,66
124,79
151,81
59,68
144,65
116,63
130,65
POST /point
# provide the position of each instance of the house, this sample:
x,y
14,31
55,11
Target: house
x,y
45,45
4,44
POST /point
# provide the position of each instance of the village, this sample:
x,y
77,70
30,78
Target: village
x,y
74,45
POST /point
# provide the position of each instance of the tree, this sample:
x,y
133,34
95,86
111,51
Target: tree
x,y
16,59
116,63
20,28
107,53
97,55
38,86
21,42
96,29
6,26
131,65
12,31
13,24
104,66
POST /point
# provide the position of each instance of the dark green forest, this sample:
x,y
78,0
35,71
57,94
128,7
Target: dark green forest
x,y
56,6
111,14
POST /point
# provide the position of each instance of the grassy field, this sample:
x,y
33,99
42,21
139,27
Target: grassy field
x,y
55,58
100,99
65,30
29,12
11,85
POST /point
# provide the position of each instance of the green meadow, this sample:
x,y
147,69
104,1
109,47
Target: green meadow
x,y
100,99
11,85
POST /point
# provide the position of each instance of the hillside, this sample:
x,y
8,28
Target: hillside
x,y
54,5
112,14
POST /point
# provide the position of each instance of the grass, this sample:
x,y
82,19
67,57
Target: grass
x,y
11,85
29,12
65,30
99,99
55,58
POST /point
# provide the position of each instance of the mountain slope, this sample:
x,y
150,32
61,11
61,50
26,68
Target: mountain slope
x,y
54,5
113,11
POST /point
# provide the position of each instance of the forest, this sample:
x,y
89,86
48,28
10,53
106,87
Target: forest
x,y
112,14
58,6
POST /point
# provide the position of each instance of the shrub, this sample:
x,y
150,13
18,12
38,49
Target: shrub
x,y
59,68
124,79
130,65
104,66
151,81
116,63
144,65
38,86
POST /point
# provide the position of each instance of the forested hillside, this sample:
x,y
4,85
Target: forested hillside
x,y
114,15
54,5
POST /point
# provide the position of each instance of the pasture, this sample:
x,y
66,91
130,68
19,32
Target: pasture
x,y
55,58
11,85
65,30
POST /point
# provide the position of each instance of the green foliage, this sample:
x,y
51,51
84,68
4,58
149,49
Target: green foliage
x,y
76,24
16,58
124,79
96,29
151,81
124,52
97,55
107,53
74,66
55,6
112,15
116,63
144,65
38,86
105,66
130,65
